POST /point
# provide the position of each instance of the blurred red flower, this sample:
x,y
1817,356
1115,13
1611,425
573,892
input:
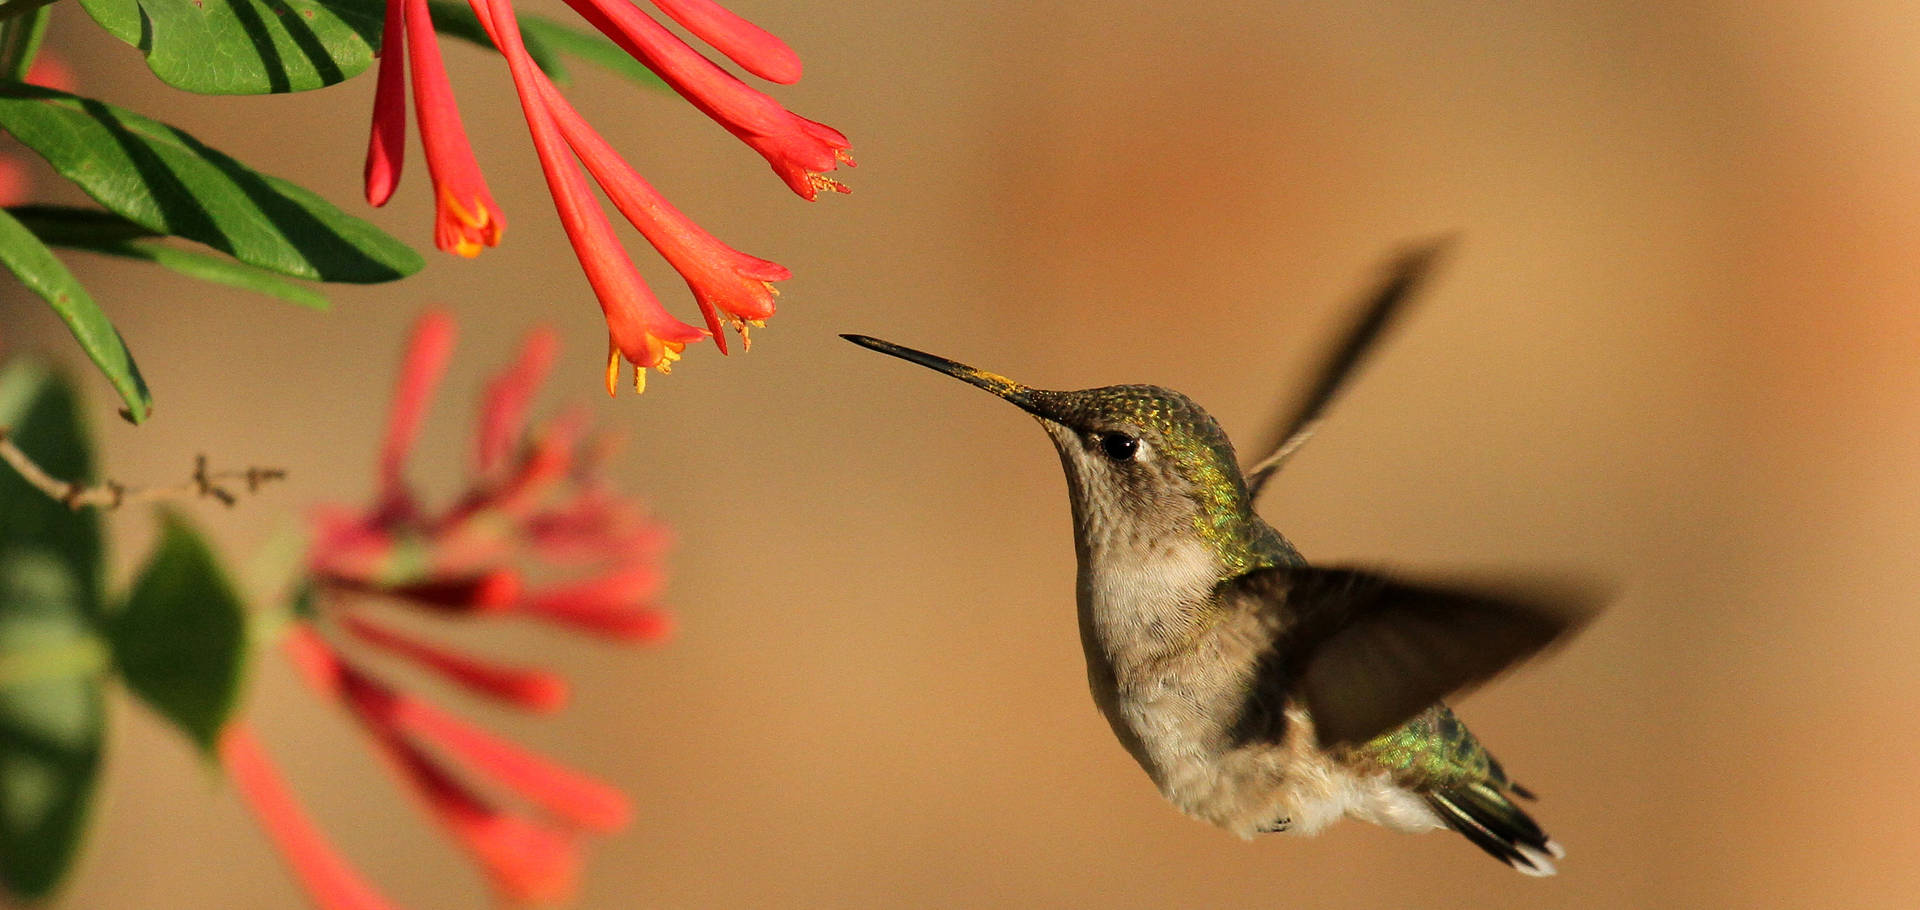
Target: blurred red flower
x,y
730,287
533,497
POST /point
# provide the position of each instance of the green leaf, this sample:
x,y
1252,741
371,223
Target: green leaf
x,y
50,728
546,41
121,18
181,640
111,235
246,47
217,269
23,25
52,712
167,181
67,225
42,414
44,274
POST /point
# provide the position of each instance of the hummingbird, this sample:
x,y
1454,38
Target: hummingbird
x,y
1258,692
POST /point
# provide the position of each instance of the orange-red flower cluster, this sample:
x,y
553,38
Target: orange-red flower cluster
x,y
732,288
533,496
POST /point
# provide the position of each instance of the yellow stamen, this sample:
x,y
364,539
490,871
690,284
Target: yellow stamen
x,y
613,368
823,182
475,224
639,380
475,216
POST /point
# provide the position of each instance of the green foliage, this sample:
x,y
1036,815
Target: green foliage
x,y
246,47
180,642
52,713
20,35
165,180
110,235
157,181
45,275
41,412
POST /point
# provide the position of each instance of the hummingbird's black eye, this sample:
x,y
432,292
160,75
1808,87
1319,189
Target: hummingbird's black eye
x,y
1119,446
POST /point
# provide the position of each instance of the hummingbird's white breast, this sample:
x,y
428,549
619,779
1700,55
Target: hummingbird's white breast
x,y
1171,677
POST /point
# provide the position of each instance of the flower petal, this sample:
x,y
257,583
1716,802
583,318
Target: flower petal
x,y
503,417
526,861
428,351
480,593
613,604
330,881
800,150
566,794
534,690
546,462
596,526
721,277
743,42
642,331
386,146
317,664
466,218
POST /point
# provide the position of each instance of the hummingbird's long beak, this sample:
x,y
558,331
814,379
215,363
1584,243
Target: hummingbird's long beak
x,y
1015,393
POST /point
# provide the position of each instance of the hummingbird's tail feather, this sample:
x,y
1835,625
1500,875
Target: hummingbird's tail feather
x,y
1494,824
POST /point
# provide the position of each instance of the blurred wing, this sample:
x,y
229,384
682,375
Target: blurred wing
x,y
1403,276
1365,653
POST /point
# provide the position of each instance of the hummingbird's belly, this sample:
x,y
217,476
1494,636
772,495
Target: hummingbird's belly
x,y
1291,787
1172,694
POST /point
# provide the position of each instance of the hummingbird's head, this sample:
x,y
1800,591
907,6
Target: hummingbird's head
x,y
1142,461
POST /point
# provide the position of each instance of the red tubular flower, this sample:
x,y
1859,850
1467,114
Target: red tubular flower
x,y
466,218
723,279
534,690
743,42
531,494
561,792
596,527
613,605
527,861
333,884
428,351
639,328
730,287
387,145
801,151
508,397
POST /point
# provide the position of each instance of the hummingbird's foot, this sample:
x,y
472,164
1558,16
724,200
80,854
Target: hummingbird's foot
x,y
1278,825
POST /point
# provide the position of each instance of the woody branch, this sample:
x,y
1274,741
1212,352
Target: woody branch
x,y
110,494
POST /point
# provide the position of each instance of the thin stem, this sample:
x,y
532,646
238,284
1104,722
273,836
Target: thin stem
x,y
23,23
112,495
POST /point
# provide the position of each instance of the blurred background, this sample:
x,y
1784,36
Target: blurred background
x,y
1674,347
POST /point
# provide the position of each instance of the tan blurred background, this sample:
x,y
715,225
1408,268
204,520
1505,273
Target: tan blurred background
x,y
1676,347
